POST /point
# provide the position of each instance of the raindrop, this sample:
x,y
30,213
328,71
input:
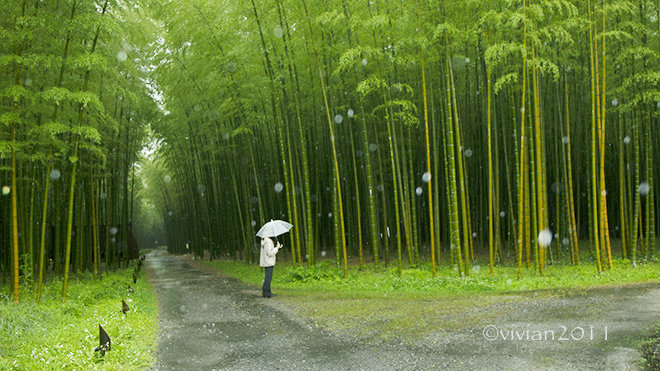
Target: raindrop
x,y
278,187
364,62
615,102
468,153
458,63
522,110
322,253
254,223
359,153
198,107
313,198
55,174
476,269
644,189
557,187
350,112
167,178
544,238
565,241
121,56
373,147
153,206
201,188
169,213
5,190
329,215
502,214
379,188
419,191
182,308
626,140
297,190
113,231
658,104
603,193
103,195
204,306
112,240
474,234
509,282
564,140
278,32
254,200
226,136
28,81
339,118
426,177
467,60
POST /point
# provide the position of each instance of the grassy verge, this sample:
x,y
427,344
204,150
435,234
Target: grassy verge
x,y
62,336
377,302
651,350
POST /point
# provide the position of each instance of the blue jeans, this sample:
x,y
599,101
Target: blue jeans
x,y
265,290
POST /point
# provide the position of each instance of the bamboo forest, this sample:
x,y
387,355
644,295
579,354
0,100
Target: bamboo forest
x,y
387,132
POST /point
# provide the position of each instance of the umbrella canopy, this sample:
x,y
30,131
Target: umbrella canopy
x,y
274,228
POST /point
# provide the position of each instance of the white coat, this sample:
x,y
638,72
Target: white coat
x,y
268,252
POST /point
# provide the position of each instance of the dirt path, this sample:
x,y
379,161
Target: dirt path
x,y
210,322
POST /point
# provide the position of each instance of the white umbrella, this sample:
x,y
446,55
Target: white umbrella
x,y
274,228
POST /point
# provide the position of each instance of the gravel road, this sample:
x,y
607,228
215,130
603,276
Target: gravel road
x,y
209,322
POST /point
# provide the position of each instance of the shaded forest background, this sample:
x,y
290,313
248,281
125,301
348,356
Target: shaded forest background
x,y
385,131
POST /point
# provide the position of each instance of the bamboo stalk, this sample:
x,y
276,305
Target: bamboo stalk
x,y
332,140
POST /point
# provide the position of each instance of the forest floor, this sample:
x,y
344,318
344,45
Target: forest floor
x,y
211,322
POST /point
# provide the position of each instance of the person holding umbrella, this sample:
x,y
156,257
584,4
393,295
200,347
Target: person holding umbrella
x,y
267,259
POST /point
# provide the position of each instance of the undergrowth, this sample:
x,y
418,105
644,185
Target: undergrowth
x,y
651,350
419,279
54,335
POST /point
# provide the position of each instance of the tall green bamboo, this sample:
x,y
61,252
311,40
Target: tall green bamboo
x,y
269,69
14,188
568,176
74,159
491,178
595,200
370,186
650,196
332,140
454,225
522,226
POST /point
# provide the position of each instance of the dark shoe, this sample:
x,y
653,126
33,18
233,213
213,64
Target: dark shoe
x,y
273,295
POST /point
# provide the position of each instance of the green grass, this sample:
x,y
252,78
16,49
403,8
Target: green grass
x,y
376,302
62,336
